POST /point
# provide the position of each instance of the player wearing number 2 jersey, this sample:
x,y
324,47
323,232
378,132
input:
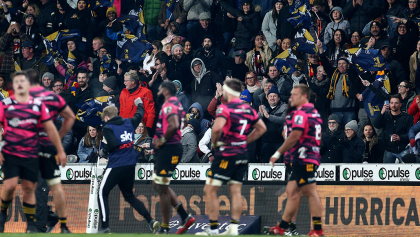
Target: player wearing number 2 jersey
x,y
236,125
301,147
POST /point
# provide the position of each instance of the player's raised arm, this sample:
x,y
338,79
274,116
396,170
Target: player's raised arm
x,y
56,140
68,122
259,130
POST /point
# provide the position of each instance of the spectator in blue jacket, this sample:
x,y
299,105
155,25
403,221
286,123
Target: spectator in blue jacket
x,y
89,144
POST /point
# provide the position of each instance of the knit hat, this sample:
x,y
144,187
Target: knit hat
x,y
196,124
48,74
204,16
352,125
179,84
111,82
334,117
345,59
275,90
111,9
208,37
246,96
376,22
176,46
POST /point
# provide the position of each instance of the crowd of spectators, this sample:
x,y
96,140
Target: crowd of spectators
x,y
197,44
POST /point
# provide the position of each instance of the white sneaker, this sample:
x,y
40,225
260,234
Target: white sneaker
x,y
207,231
232,230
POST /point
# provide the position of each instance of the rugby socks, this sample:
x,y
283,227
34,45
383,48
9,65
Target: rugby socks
x,y
234,221
317,223
292,226
214,224
4,206
29,211
284,225
181,211
165,226
63,221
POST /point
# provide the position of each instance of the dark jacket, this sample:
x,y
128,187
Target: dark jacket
x,y
34,63
329,145
374,150
406,102
222,21
46,17
397,74
7,46
214,60
115,93
405,45
274,122
359,16
247,28
238,70
400,126
383,38
287,88
352,150
196,34
179,70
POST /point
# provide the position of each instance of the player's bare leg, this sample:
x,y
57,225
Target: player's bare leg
x,y
7,191
235,208
293,201
60,204
292,231
29,204
212,205
168,199
315,208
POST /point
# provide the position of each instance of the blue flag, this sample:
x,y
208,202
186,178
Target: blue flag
x,y
170,7
106,62
301,20
367,59
134,51
286,62
283,66
130,22
305,43
102,3
90,111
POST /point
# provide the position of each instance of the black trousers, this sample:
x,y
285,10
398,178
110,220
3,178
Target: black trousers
x,y
42,209
124,178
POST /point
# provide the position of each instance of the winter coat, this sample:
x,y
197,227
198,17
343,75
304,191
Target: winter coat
x,y
83,152
333,26
178,13
195,7
413,16
7,46
196,36
400,126
359,16
203,122
37,64
405,103
79,20
151,11
413,68
214,60
405,45
142,157
247,28
128,108
396,9
397,74
46,17
266,55
274,122
179,70
115,93
376,150
203,88
287,88
329,146
269,28
222,21
34,35
351,151
189,146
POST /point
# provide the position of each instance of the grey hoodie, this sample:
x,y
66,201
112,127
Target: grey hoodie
x,y
332,26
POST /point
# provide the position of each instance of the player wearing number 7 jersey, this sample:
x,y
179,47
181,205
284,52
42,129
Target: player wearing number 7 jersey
x,y
301,147
237,124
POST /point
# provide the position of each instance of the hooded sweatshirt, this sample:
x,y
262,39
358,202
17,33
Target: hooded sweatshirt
x,y
203,122
333,26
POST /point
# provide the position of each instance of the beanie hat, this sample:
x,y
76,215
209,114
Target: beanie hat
x,y
111,9
176,46
274,90
196,124
48,74
334,117
352,125
246,96
111,82
208,37
376,22
204,16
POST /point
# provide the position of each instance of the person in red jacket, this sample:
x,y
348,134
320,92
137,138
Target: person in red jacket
x,y
132,91
414,109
